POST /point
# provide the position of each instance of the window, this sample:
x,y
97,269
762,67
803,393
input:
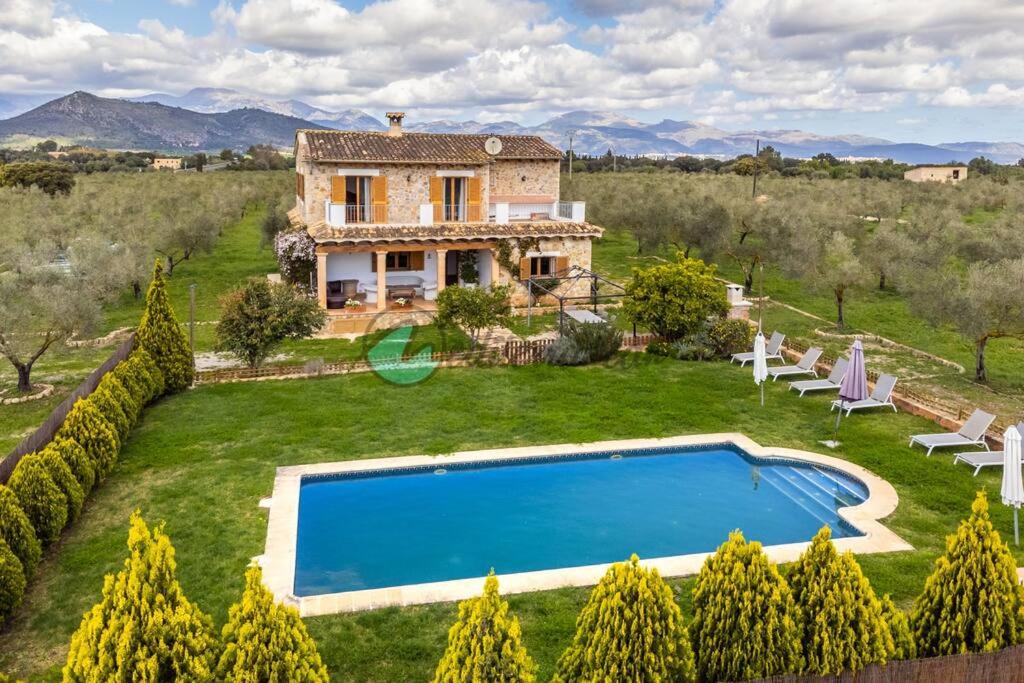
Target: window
x,y
454,198
399,260
357,199
542,266
956,174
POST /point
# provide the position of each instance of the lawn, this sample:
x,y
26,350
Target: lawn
x,y
203,459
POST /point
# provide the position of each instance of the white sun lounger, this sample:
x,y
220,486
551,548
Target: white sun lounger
x,y
979,459
834,379
773,349
880,396
971,434
804,366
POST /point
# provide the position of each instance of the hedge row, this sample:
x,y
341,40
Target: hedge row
x,y
46,491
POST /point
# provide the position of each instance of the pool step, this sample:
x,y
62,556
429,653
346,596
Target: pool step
x,y
823,490
813,506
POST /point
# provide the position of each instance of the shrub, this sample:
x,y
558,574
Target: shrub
x,y
899,627
12,582
296,256
841,617
674,300
151,371
259,315
745,621
473,309
143,628
727,336
87,425
631,629
266,641
65,480
163,338
485,643
44,504
122,396
972,602
17,532
113,411
72,453
584,343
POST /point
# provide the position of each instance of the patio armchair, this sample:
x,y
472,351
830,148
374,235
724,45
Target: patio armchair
x,y
979,459
880,396
834,379
335,294
804,366
773,349
971,434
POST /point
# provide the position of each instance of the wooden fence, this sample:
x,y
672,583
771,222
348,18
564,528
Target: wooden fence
x,y
44,434
1002,666
527,352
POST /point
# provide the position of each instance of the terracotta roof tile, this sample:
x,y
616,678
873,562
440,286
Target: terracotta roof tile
x,y
368,234
371,146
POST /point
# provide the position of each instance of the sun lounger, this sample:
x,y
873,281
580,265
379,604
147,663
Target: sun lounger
x,y
804,366
773,349
583,316
979,459
834,379
971,434
880,396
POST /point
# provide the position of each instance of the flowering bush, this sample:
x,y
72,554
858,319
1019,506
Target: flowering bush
x,y
296,256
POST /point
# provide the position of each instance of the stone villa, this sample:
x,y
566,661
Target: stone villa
x,y
937,174
398,216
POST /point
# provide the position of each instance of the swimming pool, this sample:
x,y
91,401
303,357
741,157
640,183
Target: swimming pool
x,y
384,528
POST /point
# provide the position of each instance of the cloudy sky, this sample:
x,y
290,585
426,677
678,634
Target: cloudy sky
x,y
923,70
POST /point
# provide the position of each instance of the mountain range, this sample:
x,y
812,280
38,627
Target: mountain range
x,y
214,118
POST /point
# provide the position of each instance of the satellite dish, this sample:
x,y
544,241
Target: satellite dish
x,y
493,146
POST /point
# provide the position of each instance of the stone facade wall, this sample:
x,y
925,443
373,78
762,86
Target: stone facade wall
x,y
578,251
541,177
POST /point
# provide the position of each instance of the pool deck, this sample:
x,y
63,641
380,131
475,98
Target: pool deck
x,y
278,559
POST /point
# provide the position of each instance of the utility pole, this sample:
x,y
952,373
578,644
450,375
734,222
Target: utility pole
x,y
757,158
571,133
192,316
614,159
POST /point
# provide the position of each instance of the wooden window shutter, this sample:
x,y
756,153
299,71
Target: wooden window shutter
x,y
416,260
524,268
379,198
337,189
300,185
473,197
437,196
373,262
561,265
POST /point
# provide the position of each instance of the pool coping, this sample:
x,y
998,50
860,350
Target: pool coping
x,y
278,559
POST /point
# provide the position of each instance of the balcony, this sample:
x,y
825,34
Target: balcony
x,y
341,215
338,215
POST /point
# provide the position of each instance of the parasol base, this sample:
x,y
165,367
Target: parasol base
x,y
830,443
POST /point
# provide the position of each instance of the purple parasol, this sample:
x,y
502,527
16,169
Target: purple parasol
x,y
855,382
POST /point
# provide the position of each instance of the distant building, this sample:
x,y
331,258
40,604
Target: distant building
x,y
57,155
160,164
936,174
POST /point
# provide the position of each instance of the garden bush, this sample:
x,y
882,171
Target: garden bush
x,y
78,461
631,629
584,343
473,308
64,479
718,338
143,628
154,375
745,621
840,616
296,256
160,334
17,532
727,336
87,425
899,627
972,602
485,643
267,641
44,504
113,411
674,300
131,408
12,582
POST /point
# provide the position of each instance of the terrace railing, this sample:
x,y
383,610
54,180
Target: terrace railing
x,y
348,214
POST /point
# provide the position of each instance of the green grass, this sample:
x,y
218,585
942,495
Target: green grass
x,y
203,459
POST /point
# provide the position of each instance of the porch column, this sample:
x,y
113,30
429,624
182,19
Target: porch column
x,y
382,280
495,268
442,264
321,278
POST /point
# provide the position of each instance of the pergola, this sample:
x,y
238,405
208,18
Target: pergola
x,y
599,287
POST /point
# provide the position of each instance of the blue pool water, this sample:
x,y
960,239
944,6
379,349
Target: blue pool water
x,y
403,527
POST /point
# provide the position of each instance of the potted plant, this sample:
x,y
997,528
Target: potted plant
x,y
353,305
401,302
468,273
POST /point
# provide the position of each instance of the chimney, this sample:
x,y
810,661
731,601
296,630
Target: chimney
x,y
395,119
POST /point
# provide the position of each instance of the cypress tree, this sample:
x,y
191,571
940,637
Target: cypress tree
x,y
112,410
163,338
17,532
972,601
899,626
72,453
745,621
87,425
841,617
149,368
124,398
265,641
12,582
143,628
64,479
631,629
44,504
485,643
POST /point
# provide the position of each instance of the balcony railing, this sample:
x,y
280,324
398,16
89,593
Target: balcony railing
x,y
457,213
502,212
339,215
349,214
